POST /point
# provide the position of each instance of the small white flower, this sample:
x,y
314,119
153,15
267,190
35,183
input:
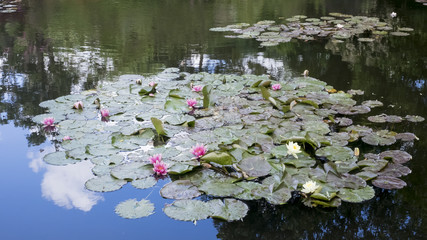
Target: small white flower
x,y
293,148
310,187
339,26
393,14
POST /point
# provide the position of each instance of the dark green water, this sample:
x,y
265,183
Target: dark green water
x,y
51,48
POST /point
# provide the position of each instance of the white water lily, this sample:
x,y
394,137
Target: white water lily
x,y
339,26
310,187
293,148
393,14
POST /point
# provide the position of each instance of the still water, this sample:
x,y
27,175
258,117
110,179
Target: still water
x,y
52,48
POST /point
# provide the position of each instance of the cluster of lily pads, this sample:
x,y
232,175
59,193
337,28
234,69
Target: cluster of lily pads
x,y
229,137
337,26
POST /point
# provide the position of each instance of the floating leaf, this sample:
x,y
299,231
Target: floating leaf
x,y
336,153
229,209
387,182
397,156
356,195
255,166
406,137
133,209
104,183
222,158
59,159
372,103
413,118
188,210
381,138
220,189
180,189
133,170
144,183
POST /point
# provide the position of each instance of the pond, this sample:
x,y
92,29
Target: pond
x,y
55,48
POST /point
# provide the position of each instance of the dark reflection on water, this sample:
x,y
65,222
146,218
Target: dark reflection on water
x,y
53,48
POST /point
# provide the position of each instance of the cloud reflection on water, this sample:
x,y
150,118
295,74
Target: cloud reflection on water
x,y
64,185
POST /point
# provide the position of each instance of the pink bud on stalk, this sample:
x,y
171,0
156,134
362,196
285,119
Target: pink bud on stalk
x,y
191,102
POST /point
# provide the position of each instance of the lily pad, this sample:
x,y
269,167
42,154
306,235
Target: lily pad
x,y
255,166
336,153
413,118
228,210
104,183
132,171
133,209
380,138
397,156
356,195
387,182
144,183
180,189
188,210
59,159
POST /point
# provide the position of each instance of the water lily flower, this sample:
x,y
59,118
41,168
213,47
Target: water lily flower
x,y
160,168
339,26
105,113
191,102
199,150
293,148
156,158
138,81
78,105
152,84
197,88
276,86
66,138
393,14
309,187
151,95
48,122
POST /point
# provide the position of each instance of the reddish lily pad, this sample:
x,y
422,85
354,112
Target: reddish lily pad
x,y
388,182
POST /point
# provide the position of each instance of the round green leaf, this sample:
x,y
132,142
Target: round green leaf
x,y
356,195
188,210
104,183
180,189
229,209
133,209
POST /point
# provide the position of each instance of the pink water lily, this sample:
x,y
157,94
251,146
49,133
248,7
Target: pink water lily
x,y
48,122
160,168
105,113
66,138
276,86
156,158
191,102
197,88
199,150
152,84
78,105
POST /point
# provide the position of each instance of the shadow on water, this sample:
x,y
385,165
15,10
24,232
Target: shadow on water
x,y
53,48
